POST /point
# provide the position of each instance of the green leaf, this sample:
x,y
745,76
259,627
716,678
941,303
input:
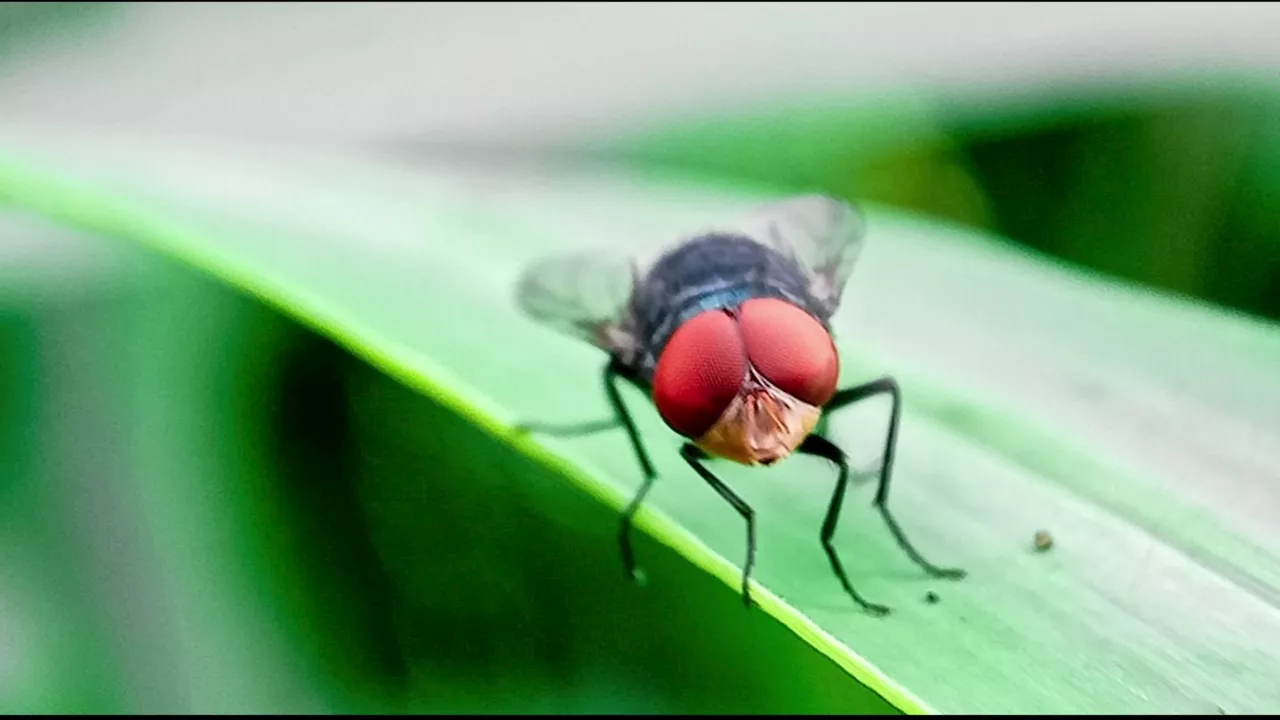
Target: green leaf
x,y
1134,427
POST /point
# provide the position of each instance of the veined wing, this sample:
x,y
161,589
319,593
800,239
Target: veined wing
x,y
583,294
824,235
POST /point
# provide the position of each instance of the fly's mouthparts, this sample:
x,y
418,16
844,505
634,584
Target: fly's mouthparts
x,y
767,426
762,416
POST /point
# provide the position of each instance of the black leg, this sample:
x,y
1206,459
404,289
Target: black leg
x,y
823,448
888,385
624,532
694,456
613,372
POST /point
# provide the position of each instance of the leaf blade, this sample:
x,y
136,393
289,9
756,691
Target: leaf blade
x,y
984,669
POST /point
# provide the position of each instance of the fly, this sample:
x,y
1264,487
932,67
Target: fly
x,y
728,332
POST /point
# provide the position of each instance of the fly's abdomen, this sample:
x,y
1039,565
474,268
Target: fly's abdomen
x,y
711,272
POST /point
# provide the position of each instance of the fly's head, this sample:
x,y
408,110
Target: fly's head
x,y
747,385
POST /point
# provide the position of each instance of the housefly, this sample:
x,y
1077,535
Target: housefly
x,y
728,333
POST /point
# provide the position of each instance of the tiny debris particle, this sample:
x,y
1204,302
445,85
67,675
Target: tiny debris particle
x,y
931,597
1044,540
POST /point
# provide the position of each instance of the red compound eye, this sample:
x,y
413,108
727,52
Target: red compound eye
x,y
790,348
699,373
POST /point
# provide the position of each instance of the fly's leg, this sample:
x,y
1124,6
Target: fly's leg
x,y
694,456
615,371
624,533
849,396
821,447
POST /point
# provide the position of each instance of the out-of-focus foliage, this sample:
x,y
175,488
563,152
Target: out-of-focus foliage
x,y
26,26
1180,193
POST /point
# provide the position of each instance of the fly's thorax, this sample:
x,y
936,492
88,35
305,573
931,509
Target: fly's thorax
x,y
763,424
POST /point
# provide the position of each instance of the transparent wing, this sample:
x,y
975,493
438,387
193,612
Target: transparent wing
x,y
583,294
587,294
823,234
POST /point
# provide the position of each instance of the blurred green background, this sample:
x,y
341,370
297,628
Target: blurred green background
x,y
1172,185
202,506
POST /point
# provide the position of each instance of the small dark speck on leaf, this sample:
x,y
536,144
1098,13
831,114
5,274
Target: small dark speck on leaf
x,y
1044,541
931,597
